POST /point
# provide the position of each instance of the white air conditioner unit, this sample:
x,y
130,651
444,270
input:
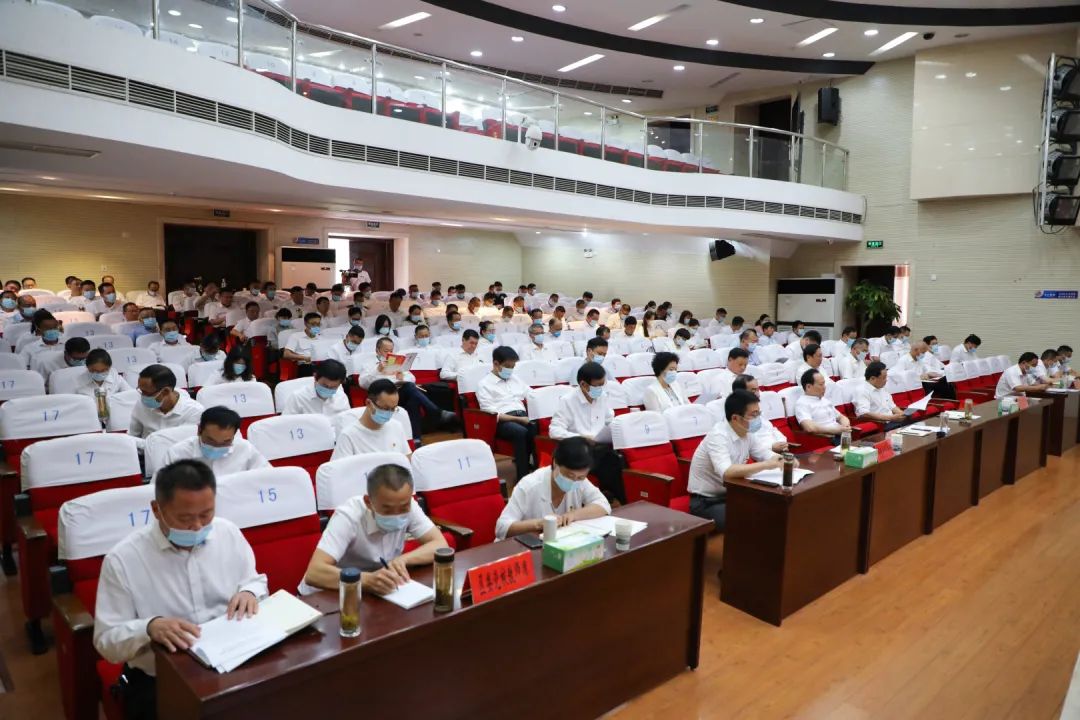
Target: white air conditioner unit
x,y
300,266
818,302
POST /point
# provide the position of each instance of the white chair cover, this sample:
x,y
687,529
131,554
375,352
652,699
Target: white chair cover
x,y
20,383
451,464
48,416
86,329
291,435
535,372
265,496
640,429
120,406
686,421
339,480
91,525
108,342
248,399
158,443
640,363
542,402
78,459
124,358
201,373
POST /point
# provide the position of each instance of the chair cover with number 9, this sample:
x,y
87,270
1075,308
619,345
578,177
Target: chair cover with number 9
x,y
251,400
339,480
458,481
652,470
275,509
53,472
88,528
303,441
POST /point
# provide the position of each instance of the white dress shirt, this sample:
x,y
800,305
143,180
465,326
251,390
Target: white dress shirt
x,y
242,456
496,395
1012,378
215,311
353,539
243,324
457,364
658,399
369,373
539,352
307,401
764,340
98,307
145,299
114,383
357,439
44,363
720,384
338,351
871,400
576,415
162,348
960,354
301,344
531,499
145,577
921,367
794,351
36,346
849,366
145,421
770,434
817,410
722,448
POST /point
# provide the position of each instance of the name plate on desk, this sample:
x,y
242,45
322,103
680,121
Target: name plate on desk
x,y
501,576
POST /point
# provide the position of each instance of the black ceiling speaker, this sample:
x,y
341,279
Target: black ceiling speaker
x,y
720,249
828,105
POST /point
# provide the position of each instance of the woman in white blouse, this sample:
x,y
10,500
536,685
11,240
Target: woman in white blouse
x,y
666,392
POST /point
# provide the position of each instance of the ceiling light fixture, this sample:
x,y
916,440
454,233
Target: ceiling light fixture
x,y
756,21
712,42
817,36
558,8
970,74
405,20
871,32
679,68
580,63
445,224
174,13
898,40
517,38
418,77
627,100
940,77
322,53
1005,88
231,18
49,149
195,26
648,22
588,113
828,55
47,177
477,53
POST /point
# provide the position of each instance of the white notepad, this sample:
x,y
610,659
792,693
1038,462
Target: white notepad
x,y
226,644
411,594
775,476
602,526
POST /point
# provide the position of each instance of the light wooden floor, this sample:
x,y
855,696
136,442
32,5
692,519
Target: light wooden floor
x,y
980,620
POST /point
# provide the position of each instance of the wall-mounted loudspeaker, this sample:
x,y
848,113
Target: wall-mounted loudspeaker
x,y
720,249
828,105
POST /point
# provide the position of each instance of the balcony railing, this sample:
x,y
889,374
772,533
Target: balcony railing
x,y
348,71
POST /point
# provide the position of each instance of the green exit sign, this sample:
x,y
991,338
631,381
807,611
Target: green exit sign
x,y
875,244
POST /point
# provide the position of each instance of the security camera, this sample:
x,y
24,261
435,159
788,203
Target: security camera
x,y
928,36
533,136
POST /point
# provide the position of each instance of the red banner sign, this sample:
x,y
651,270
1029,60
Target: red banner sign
x,y
501,576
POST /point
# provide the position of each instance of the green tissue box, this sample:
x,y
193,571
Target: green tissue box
x,y
573,551
860,457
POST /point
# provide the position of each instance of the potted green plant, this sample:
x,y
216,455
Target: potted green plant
x,y
872,303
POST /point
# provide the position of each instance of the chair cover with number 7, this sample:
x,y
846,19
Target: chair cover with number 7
x,y
303,441
251,400
53,472
458,481
88,528
275,509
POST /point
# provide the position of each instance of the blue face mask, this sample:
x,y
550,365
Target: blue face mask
x,y
861,356
679,342
271,293
314,330
382,416
934,349
423,342
74,362
752,347
539,339
538,322
150,401
351,346
335,298
239,368
149,323
414,318
356,322
391,523
211,452
755,424
564,484
490,337
28,312
922,358
596,391
110,297
207,357
88,294
506,373
189,538
50,336
850,342
99,377
384,330
455,326
254,292
324,392
8,304
556,333
171,336
592,323
284,324
671,376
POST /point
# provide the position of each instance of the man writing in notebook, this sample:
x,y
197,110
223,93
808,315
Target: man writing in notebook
x,y
163,580
368,532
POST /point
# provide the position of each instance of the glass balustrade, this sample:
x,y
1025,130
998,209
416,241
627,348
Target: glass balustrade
x,y
347,71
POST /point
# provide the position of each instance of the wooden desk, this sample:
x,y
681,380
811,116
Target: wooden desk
x,y
782,550
1063,422
572,646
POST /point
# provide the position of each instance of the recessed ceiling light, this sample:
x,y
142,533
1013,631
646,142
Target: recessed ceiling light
x,y
712,41
451,224
940,77
192,48
195,26
405,20
558,8
231,18
970,74
273,210
970,149
816,36
871,32
537,232
1005,88
517,38
627,100
898,40
12,189
648,22
581,62
501,219
828,54
679,68
174,13
322,53
418,77
477,53
47,177
588,112
961,36
107,197
756,21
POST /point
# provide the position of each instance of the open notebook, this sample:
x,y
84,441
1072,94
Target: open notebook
x,y
411,594
224,644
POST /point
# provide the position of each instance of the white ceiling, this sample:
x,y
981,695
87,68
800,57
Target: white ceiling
x,y
455,35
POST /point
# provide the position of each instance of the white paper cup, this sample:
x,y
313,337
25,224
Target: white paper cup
x,y
551,528
623,530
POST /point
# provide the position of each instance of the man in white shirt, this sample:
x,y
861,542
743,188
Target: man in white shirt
x,y
208,351
586,413
719,319
324,396
348,347
73,355
435,307
217,311
467,358
966,351
768,331
1065,358
72,285
187,298
106,302
173,346
252,312
488,336
368,533
768,432
48,337
87,293
873,402
812,359
562,489
160,404
795,349
217,445
163,580
503,395
152,297
1020,378
394,312
536,349
918,359
748,341
358,274
814,413
375,429
728,452
616,320
579,312
298,304
300,347
1048,370
852,364
719,385
413,398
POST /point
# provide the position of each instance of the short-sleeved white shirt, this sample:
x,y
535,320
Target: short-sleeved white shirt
x,y
242,456
145,421
721,449
532,499
357,439
307,401
301,344
817,410
870,400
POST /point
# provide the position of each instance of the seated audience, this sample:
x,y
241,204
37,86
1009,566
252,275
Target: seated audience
x,y
873,402
503,395
667,391
218,445
374,430
160,404
815,414
322,397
